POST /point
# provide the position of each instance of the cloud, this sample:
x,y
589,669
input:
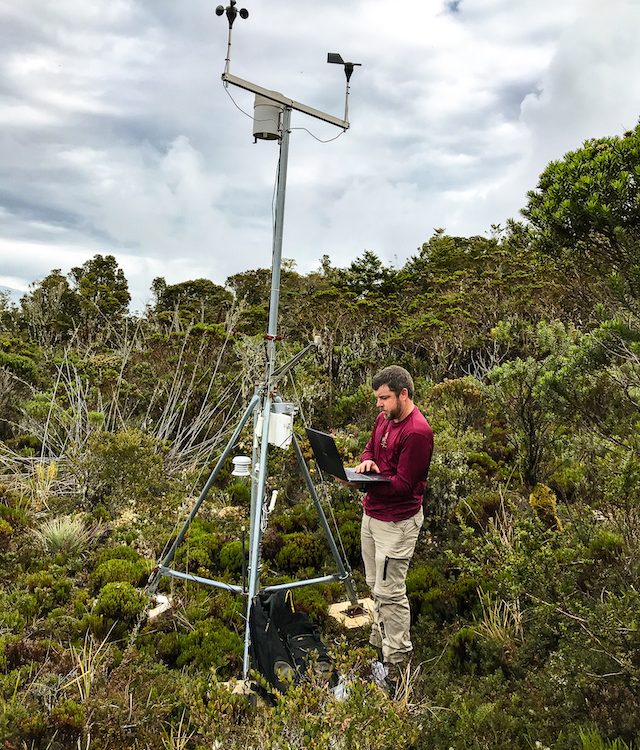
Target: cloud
x,y
118,136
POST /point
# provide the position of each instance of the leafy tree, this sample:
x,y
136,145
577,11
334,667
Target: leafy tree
x,y
51,310
103,291
196,301
7,312
589,202
366,275
519,388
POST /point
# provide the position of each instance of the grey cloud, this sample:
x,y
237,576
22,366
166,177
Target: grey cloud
x,y
117,135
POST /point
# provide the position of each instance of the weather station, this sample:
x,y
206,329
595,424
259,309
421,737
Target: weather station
x,y
273,419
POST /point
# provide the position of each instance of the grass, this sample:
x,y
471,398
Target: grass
x,y
64,535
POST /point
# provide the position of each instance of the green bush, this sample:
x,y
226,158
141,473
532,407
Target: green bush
x,y
209,644
22,723
313,600
119,552
6,532
239,493
605,545
68,718
300,550
231,556
49,591
302,517
120,601
124,469
469,653
116,569
200,550
11,509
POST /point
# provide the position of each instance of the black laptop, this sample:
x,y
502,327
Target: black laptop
x,y
326,454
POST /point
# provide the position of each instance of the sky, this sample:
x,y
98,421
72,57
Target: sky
x,y
118,136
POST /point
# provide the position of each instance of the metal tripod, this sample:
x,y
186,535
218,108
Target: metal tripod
x,y
261,405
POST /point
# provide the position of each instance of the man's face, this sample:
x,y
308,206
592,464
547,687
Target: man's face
x,y
388,403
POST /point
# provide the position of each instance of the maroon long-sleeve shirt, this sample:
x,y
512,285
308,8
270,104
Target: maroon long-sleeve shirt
x,y
402,451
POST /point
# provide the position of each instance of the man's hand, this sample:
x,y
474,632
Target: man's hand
x,y
367,467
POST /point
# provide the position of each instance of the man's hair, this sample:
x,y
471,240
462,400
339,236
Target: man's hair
x,y
396,378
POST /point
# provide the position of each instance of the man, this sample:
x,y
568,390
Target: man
x,y
400,448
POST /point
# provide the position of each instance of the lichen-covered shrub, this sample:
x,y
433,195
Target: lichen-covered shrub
x,y
543,501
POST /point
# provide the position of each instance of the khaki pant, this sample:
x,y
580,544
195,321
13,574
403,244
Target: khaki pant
x,y
387,549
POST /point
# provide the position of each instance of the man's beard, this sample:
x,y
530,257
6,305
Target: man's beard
x,y
393,414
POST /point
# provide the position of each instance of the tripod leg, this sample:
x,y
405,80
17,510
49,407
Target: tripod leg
x,y
154,579
345,575
256,530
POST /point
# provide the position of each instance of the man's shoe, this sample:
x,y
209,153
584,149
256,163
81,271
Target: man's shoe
x,y
375,639
397,676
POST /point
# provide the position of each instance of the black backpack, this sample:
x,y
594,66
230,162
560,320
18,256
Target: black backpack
x,y
284,643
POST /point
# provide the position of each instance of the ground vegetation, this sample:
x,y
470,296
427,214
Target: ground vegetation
x,y
525,347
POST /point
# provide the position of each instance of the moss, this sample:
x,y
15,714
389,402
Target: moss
x,y
543,501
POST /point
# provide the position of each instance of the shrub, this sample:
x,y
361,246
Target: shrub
x,y
120,601
468,652
239,493
605,545
6,532
68,718
123,468
272,541
300,550
199,551
543,501
302,517
11,508
313,601
119,552
350,535
113,570
231,556
209,644
49,591
478,508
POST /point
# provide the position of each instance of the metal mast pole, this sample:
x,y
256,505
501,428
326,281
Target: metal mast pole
x,y
272,334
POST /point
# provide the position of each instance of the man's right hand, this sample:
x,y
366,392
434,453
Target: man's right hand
x,y
366,467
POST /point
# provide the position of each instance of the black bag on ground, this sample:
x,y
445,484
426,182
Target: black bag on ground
x,y
284,643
